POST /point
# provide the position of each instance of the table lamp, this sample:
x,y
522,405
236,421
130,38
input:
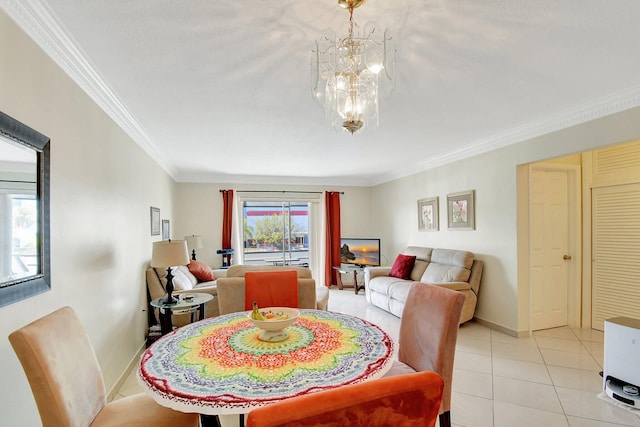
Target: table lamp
x,y
169,253
193,242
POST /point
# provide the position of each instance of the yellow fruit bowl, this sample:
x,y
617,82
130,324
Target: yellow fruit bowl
x,y
276,320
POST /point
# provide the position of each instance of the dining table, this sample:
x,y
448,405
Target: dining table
x,y
220,366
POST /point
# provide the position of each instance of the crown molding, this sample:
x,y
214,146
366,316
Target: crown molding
x,y
37,20
272,180
605,106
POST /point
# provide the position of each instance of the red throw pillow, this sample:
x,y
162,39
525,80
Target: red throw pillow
x,y
402,266
202,271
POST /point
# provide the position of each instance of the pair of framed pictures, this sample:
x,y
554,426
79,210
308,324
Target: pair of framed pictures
x,y
460,212
155,224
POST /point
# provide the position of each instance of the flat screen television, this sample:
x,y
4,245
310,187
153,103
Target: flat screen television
x,y
360,252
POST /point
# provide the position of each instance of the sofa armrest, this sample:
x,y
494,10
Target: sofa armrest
x,y
230,294
371,272
307,293
219,272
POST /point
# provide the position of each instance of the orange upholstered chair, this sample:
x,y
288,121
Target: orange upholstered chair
x,y
271,289
66,380
400,401
428,334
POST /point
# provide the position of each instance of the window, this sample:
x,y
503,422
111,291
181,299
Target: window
x,y
21,257
276,232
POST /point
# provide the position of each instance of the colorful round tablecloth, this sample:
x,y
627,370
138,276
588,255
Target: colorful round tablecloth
x,y
219,366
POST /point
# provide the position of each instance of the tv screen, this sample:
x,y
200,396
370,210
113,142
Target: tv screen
x,y
361,252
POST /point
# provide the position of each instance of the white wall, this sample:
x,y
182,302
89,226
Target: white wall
x,y
503,297
198,210
102,185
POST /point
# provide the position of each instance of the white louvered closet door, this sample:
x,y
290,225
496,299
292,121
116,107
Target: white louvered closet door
x,y
616,253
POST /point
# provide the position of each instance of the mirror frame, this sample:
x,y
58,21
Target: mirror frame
x,y
28,286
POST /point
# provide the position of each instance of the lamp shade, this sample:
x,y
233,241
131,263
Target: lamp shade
x,y
193,241
169,253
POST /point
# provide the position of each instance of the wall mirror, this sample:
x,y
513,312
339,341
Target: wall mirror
x,y
24,211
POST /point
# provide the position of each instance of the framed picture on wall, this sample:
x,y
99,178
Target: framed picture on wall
x,y
461,210
165,230
428,214
155,221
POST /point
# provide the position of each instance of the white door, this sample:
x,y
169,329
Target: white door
x,y
549,240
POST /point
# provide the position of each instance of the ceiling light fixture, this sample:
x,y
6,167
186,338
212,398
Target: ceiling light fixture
x,y
350,74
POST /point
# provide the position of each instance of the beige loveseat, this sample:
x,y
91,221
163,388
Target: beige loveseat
x,y
231,288
183,281
453,269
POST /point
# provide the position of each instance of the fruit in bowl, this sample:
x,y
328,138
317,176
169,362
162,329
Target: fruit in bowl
x,y
272,321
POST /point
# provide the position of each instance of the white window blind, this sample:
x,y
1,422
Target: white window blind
x,y
616,253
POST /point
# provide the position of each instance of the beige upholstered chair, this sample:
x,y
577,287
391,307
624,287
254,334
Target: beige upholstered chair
x,y
66,380
406,400
428,334
231,289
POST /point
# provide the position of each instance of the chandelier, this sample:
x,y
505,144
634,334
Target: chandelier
x,y
350,74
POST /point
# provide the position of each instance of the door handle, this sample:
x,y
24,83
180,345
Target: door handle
x,y
566,257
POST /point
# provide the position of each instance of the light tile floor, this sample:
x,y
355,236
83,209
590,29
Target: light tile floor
x,y
550,379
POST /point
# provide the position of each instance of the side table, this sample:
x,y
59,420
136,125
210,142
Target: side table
x,y
196,301
348,270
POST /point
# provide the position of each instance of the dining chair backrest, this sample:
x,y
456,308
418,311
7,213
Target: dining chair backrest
x,y
66,380
62,368
271,289
405,400
429,331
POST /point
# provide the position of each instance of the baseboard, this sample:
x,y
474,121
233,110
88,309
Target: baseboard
x,y
500,328
133,364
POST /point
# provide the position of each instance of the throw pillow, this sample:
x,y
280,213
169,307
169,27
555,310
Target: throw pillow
x,y
202,271
402,266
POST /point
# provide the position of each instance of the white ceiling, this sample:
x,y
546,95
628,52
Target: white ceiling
x,y
218,90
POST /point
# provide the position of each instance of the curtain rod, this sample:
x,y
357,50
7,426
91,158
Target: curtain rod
x,y
283,191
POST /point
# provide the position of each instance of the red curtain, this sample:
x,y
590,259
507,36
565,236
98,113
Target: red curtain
x,y
227,218
332,202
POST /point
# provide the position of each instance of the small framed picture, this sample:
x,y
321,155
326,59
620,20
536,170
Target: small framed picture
x,y
165,230
428,214
461,210
155,221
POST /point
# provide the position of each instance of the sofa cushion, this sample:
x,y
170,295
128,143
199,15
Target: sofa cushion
x,y
181,281
402,266
420,252
436,273
382,284
201,271
453,257
185,269
418,269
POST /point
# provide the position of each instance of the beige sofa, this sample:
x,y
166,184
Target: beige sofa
x,y
183,282
231,288
453,269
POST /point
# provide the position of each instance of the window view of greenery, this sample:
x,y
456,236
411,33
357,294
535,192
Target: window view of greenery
x,y
276,233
